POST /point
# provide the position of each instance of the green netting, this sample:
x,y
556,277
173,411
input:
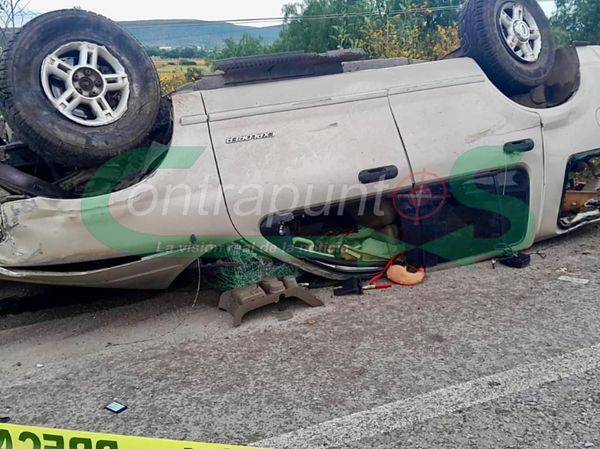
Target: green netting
x,y
251,268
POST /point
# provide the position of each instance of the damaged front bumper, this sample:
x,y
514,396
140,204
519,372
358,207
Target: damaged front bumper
x,y
46,242
138,236
152,273
38,232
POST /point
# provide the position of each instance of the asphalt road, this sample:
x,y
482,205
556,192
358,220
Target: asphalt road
x,y
475,357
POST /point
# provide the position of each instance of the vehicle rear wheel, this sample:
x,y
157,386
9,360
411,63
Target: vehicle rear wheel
x,y
77,88
511,40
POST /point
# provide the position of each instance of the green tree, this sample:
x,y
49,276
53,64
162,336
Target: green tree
x,y
246,46
385,28
177,53
423,29
577,20
321,25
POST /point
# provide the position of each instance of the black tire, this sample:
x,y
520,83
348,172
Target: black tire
x,y
35,119
482,40
162,132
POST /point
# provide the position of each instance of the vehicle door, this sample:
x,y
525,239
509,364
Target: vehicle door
x,y
478,162
307,143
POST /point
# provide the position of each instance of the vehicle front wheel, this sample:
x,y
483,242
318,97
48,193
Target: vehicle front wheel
x,y
77,88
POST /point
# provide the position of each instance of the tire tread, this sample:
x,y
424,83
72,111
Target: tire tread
x,y
56,149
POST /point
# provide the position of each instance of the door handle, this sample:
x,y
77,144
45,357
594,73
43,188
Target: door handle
x,y
378,174
519,146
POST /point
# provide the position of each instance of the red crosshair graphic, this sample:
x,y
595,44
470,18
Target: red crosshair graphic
x,y
425,199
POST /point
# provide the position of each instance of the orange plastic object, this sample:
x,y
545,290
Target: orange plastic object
x,y
401,276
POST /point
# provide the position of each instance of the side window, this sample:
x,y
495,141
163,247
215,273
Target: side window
x,y
431,224
467,217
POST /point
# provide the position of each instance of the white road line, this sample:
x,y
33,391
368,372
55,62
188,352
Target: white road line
x,y
397,415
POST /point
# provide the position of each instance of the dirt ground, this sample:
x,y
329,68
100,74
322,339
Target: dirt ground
x,y
475,357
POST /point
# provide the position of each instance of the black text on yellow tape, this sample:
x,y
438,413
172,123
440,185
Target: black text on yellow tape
x,y
26,437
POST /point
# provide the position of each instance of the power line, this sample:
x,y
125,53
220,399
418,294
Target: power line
x,y
298,18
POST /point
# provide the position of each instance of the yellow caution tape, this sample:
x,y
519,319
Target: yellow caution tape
x,y
27,437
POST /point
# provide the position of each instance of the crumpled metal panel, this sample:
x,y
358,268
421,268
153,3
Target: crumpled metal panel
x,y
43,232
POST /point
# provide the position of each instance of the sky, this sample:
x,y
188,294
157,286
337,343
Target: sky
x,y
169,9
177,9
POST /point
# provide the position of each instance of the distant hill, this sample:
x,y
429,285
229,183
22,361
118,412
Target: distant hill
x,y
193,33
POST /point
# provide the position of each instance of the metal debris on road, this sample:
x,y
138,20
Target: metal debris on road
x,y
116,407
574,280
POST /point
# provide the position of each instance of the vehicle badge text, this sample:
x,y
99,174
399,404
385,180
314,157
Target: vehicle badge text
x,y
249,138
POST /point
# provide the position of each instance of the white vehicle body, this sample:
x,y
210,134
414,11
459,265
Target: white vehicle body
x,y
321,132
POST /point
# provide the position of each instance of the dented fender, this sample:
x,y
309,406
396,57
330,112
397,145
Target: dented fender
x,y
134,222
